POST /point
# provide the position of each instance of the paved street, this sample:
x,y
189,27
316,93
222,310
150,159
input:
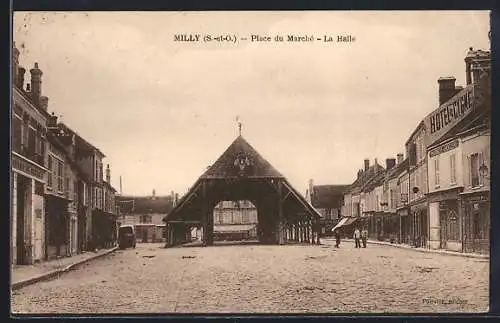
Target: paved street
x,y
264,279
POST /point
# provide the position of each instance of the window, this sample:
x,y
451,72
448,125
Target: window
x,y
474,170
49,172
31,143
16,133
436,172
60,176
453,172
146,218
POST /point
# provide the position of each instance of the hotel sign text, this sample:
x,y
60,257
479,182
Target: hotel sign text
x,y
444,148
450,113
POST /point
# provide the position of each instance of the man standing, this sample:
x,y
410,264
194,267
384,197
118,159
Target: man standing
x,y
357,236
364,236
337,238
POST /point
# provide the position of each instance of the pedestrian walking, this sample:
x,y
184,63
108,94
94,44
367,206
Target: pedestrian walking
x,y
364,236
337,238
357,236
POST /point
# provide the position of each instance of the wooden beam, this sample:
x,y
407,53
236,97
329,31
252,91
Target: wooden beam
x,y
280,214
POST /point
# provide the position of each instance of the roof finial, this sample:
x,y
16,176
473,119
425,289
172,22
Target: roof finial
x,y
239,124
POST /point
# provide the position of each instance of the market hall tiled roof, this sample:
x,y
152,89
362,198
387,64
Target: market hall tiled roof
x,y
224,167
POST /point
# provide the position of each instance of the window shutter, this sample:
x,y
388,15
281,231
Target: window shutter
x,y
468,172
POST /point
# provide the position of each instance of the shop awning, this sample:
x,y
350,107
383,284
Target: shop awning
x,y
341,223
350,221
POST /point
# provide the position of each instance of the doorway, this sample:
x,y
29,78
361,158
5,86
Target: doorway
x,y
22,200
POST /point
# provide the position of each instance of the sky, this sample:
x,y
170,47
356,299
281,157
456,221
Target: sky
x,y
162,111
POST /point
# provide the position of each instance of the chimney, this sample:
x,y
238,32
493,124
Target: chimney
x,y
36,84
311,184
390,163
468,67
367,164
446,88
44,102
20,77
376,166
400,158
108,174
15,63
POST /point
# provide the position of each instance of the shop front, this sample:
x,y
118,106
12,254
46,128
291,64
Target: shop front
x,y
445,220
404,225
418,232
57,226
476,213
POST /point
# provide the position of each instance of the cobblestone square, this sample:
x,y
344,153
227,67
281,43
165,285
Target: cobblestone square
x,y
264,279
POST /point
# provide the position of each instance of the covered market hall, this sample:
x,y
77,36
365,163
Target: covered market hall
x,y
241,173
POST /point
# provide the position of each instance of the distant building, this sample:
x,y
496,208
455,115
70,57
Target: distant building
x,y
146,213
328,201
235,220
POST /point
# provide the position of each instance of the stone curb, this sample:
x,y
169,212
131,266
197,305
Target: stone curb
x,y
439,252
55,273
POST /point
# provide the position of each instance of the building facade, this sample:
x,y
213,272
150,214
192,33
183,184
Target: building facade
x,y
458,190
416,223
358,199
328,201
57,228
28,165
146,214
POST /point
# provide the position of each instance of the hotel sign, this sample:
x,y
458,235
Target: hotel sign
x,y
444,148
449,114
26,167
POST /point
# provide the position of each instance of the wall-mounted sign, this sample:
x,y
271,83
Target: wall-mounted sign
x,y
450,113
444,148
28,168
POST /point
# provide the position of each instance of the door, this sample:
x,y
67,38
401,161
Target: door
x,y
443,223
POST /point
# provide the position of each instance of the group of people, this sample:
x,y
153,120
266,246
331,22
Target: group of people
x,y
360,237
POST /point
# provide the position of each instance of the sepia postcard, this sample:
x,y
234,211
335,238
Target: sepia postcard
x,y
250,162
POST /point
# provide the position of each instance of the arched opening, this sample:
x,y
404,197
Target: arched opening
x,y
235,221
